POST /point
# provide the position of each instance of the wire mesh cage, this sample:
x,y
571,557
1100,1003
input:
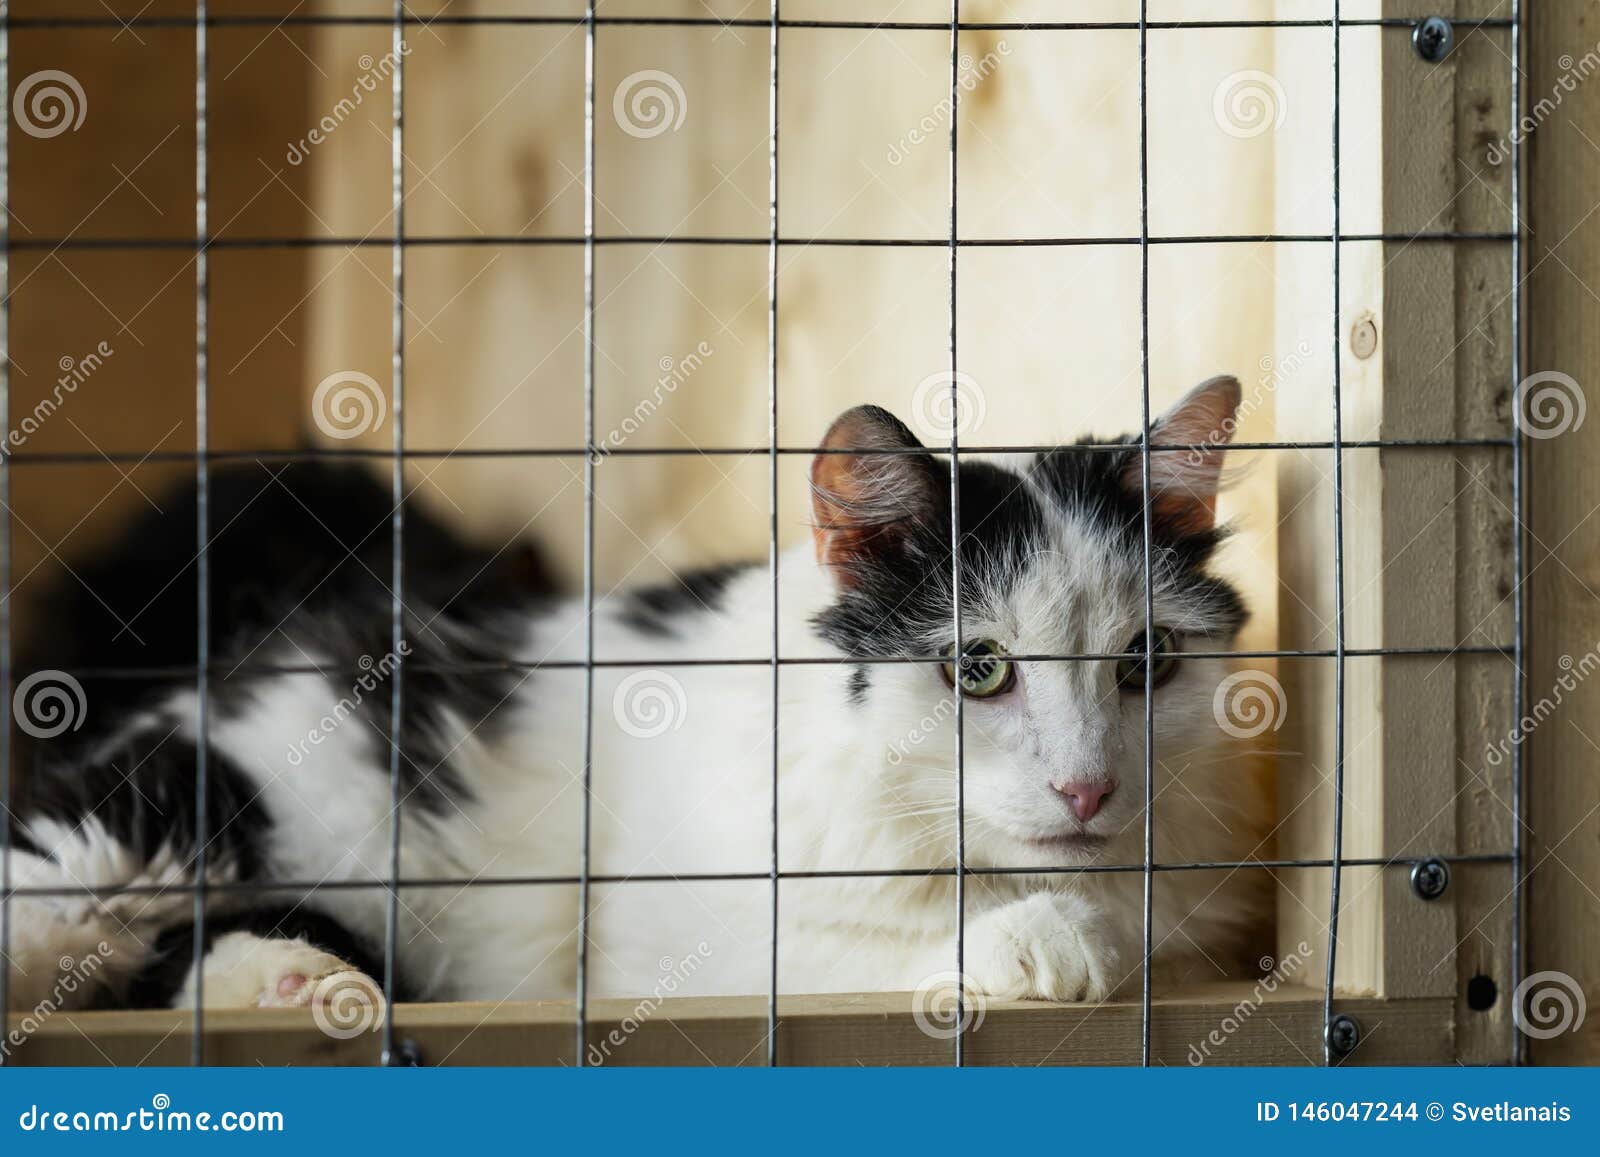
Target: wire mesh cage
x,y
584,442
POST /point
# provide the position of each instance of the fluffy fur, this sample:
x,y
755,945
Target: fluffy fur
x,y
491,767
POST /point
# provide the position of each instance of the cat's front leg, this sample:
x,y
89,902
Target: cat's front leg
x,y
1047,946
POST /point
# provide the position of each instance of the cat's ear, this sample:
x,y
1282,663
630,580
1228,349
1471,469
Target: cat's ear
x,y
1184,482
867,507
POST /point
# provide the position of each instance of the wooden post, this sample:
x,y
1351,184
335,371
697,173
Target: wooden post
x,y
1424,354
1563,592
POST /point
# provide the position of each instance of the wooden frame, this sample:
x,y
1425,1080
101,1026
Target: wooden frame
x,y
1563,266
1425,355
1252,1027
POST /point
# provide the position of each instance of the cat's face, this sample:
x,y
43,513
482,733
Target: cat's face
x,y
1052,563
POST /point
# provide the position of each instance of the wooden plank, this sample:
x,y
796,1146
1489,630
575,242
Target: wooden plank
x,y
1233,1024
1481,363
128,171
1563,262
1426,533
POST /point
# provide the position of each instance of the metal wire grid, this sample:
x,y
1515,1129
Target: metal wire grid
x,y
202,475
397,331
399,242
1338,604
5,523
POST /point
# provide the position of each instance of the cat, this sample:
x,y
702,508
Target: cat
x,y
491,771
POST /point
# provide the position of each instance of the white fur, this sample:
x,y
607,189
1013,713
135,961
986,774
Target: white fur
x,y
860,787
243,969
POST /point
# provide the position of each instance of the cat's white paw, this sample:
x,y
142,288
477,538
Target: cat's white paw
x,y
243,970
1047,946
342,986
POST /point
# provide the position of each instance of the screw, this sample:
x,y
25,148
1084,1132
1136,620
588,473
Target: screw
x,y
1342,1035
405,1055
1433,39
1429,878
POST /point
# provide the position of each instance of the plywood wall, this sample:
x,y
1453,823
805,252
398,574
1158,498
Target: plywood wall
x,y
118,323
1049,337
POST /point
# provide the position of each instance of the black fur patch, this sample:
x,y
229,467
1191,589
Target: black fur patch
x,y
1089,482
905,598
908,597
172,955
659,610
142,791
300,552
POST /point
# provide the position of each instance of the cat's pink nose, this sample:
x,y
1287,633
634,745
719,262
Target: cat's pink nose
x,y
1085,796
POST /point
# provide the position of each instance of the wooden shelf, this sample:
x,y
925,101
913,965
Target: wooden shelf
x,y
1282,1028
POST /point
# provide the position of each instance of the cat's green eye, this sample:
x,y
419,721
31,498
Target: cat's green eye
x,y
1131,673
985,671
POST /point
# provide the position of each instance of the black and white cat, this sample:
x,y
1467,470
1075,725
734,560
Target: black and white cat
x,y
1052,562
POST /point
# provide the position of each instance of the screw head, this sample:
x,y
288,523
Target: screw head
x,y
1433,39
1342,1035
1430,878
